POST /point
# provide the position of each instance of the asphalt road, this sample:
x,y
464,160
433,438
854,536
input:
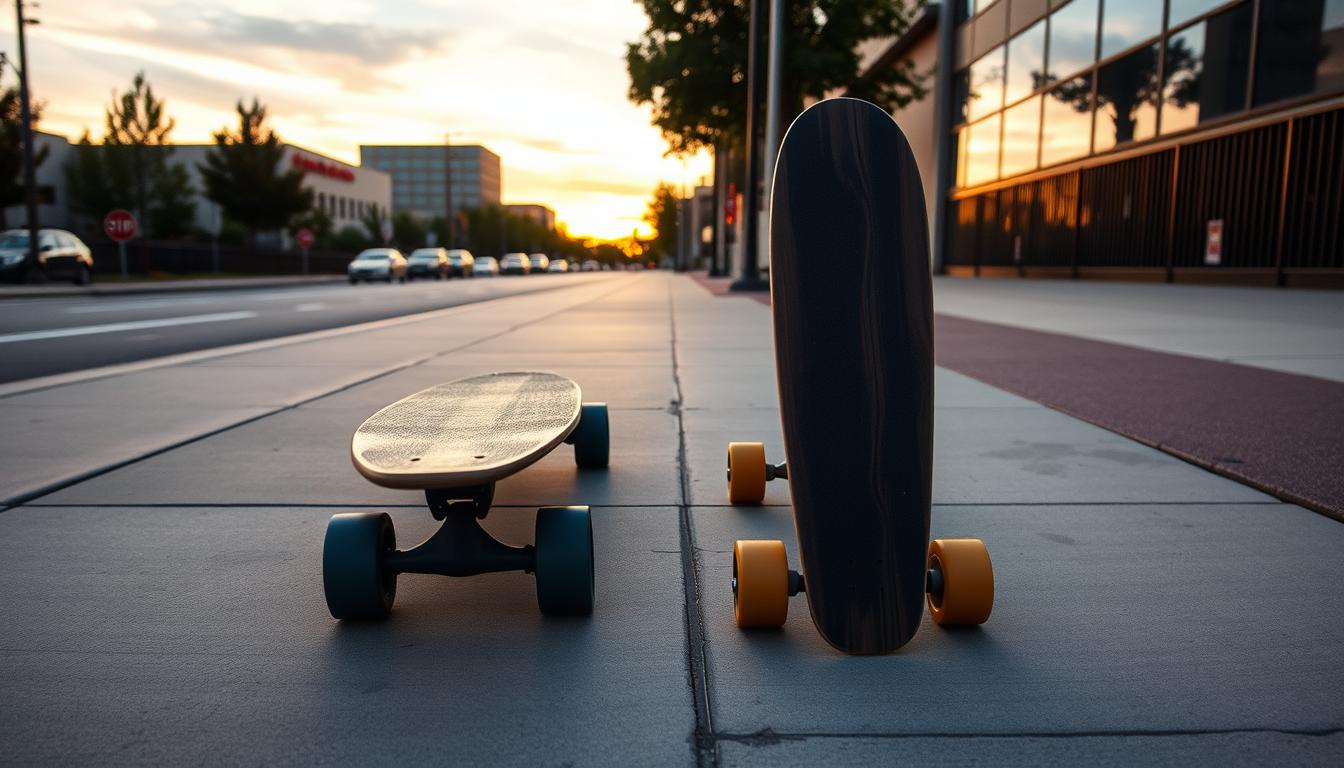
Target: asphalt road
x,y
40,337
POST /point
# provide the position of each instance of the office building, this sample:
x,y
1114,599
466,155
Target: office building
x,y
1178,140
533,212
420,176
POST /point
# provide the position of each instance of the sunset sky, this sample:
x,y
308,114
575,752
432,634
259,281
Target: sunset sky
x,y
543,84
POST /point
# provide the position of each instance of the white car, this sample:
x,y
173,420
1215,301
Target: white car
x,y
558,265
540,262
385,264
485,266
515,264
591,265
460,262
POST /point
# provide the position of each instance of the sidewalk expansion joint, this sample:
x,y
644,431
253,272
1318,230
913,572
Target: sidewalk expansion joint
x,y
769,737
703,744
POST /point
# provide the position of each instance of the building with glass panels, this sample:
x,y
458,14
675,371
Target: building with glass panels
x,y
1153,139
421,173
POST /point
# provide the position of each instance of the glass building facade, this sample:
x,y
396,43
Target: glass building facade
x,y
1090,76
420,176
1085,130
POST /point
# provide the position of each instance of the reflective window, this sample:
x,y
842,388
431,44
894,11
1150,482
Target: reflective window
x,y
1021,134
1128,23
986,85
1026,63
1073,38
1301,49
1181,11
1127,92
961,89
1193,93
1066,123
982,151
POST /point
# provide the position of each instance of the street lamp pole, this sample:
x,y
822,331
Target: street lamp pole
x,y
750,279
448,187
25,107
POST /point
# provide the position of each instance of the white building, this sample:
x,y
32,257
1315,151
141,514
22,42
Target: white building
x,y
346,192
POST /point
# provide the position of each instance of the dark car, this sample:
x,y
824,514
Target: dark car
x,y
61,256
427,262
460,262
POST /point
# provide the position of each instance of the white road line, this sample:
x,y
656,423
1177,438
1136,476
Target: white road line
x,y
311,306
85,330
124,305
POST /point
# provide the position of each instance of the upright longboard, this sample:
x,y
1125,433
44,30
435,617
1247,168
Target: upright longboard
x,y
853,323
455,441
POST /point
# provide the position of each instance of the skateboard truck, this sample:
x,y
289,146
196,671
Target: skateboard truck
x,y
461,547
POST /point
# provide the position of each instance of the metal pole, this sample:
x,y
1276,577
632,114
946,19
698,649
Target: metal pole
x,y
304,252
720,199
750,279
448,187
772,95
943,163
29,169
121,251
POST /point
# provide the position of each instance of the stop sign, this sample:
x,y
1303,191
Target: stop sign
x,y
120,225
305,238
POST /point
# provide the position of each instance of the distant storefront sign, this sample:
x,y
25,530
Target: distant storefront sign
x,y
322,167
1213,244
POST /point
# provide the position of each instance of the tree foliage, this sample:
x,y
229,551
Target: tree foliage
x,y
690,65
132,168
244,176
11,149
662,216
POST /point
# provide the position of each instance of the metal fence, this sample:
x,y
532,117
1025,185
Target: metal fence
x,y
177,258
1277,189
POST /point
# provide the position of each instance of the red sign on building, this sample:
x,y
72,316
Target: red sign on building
x,y
321,167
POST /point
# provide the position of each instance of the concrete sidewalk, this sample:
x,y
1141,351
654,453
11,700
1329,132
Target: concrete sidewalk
x,y
133,287
169,609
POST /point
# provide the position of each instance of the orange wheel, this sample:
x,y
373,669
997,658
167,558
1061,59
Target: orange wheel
x,y
746,473
967,594
760,583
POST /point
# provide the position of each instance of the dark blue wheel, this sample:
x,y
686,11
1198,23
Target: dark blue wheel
x,y
564,561
592,437
353,577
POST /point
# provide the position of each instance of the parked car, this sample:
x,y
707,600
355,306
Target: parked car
x,y
634,266
427,262
558,265
540,262
385,264
486,266
515,264
591,265
60,256
460,262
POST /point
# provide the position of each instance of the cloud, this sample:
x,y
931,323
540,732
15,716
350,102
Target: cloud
x,y
377,46
351,53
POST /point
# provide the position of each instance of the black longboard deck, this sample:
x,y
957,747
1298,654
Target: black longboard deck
x,y
853,319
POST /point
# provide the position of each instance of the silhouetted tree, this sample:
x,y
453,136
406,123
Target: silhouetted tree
x,y
243,175
662,216
11,149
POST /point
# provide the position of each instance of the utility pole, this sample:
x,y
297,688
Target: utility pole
x,y
774,67
448,187
25,105
750,279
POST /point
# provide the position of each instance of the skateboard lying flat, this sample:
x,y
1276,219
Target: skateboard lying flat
x,y
455,441
853,320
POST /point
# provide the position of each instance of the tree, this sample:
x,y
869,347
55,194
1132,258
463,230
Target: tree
x,y
11,149
133,167
662,216
243,175
373,222
407,232
690,65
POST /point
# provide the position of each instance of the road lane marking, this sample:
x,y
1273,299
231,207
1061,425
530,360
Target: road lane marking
x,y
85,330
311,306
124,305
